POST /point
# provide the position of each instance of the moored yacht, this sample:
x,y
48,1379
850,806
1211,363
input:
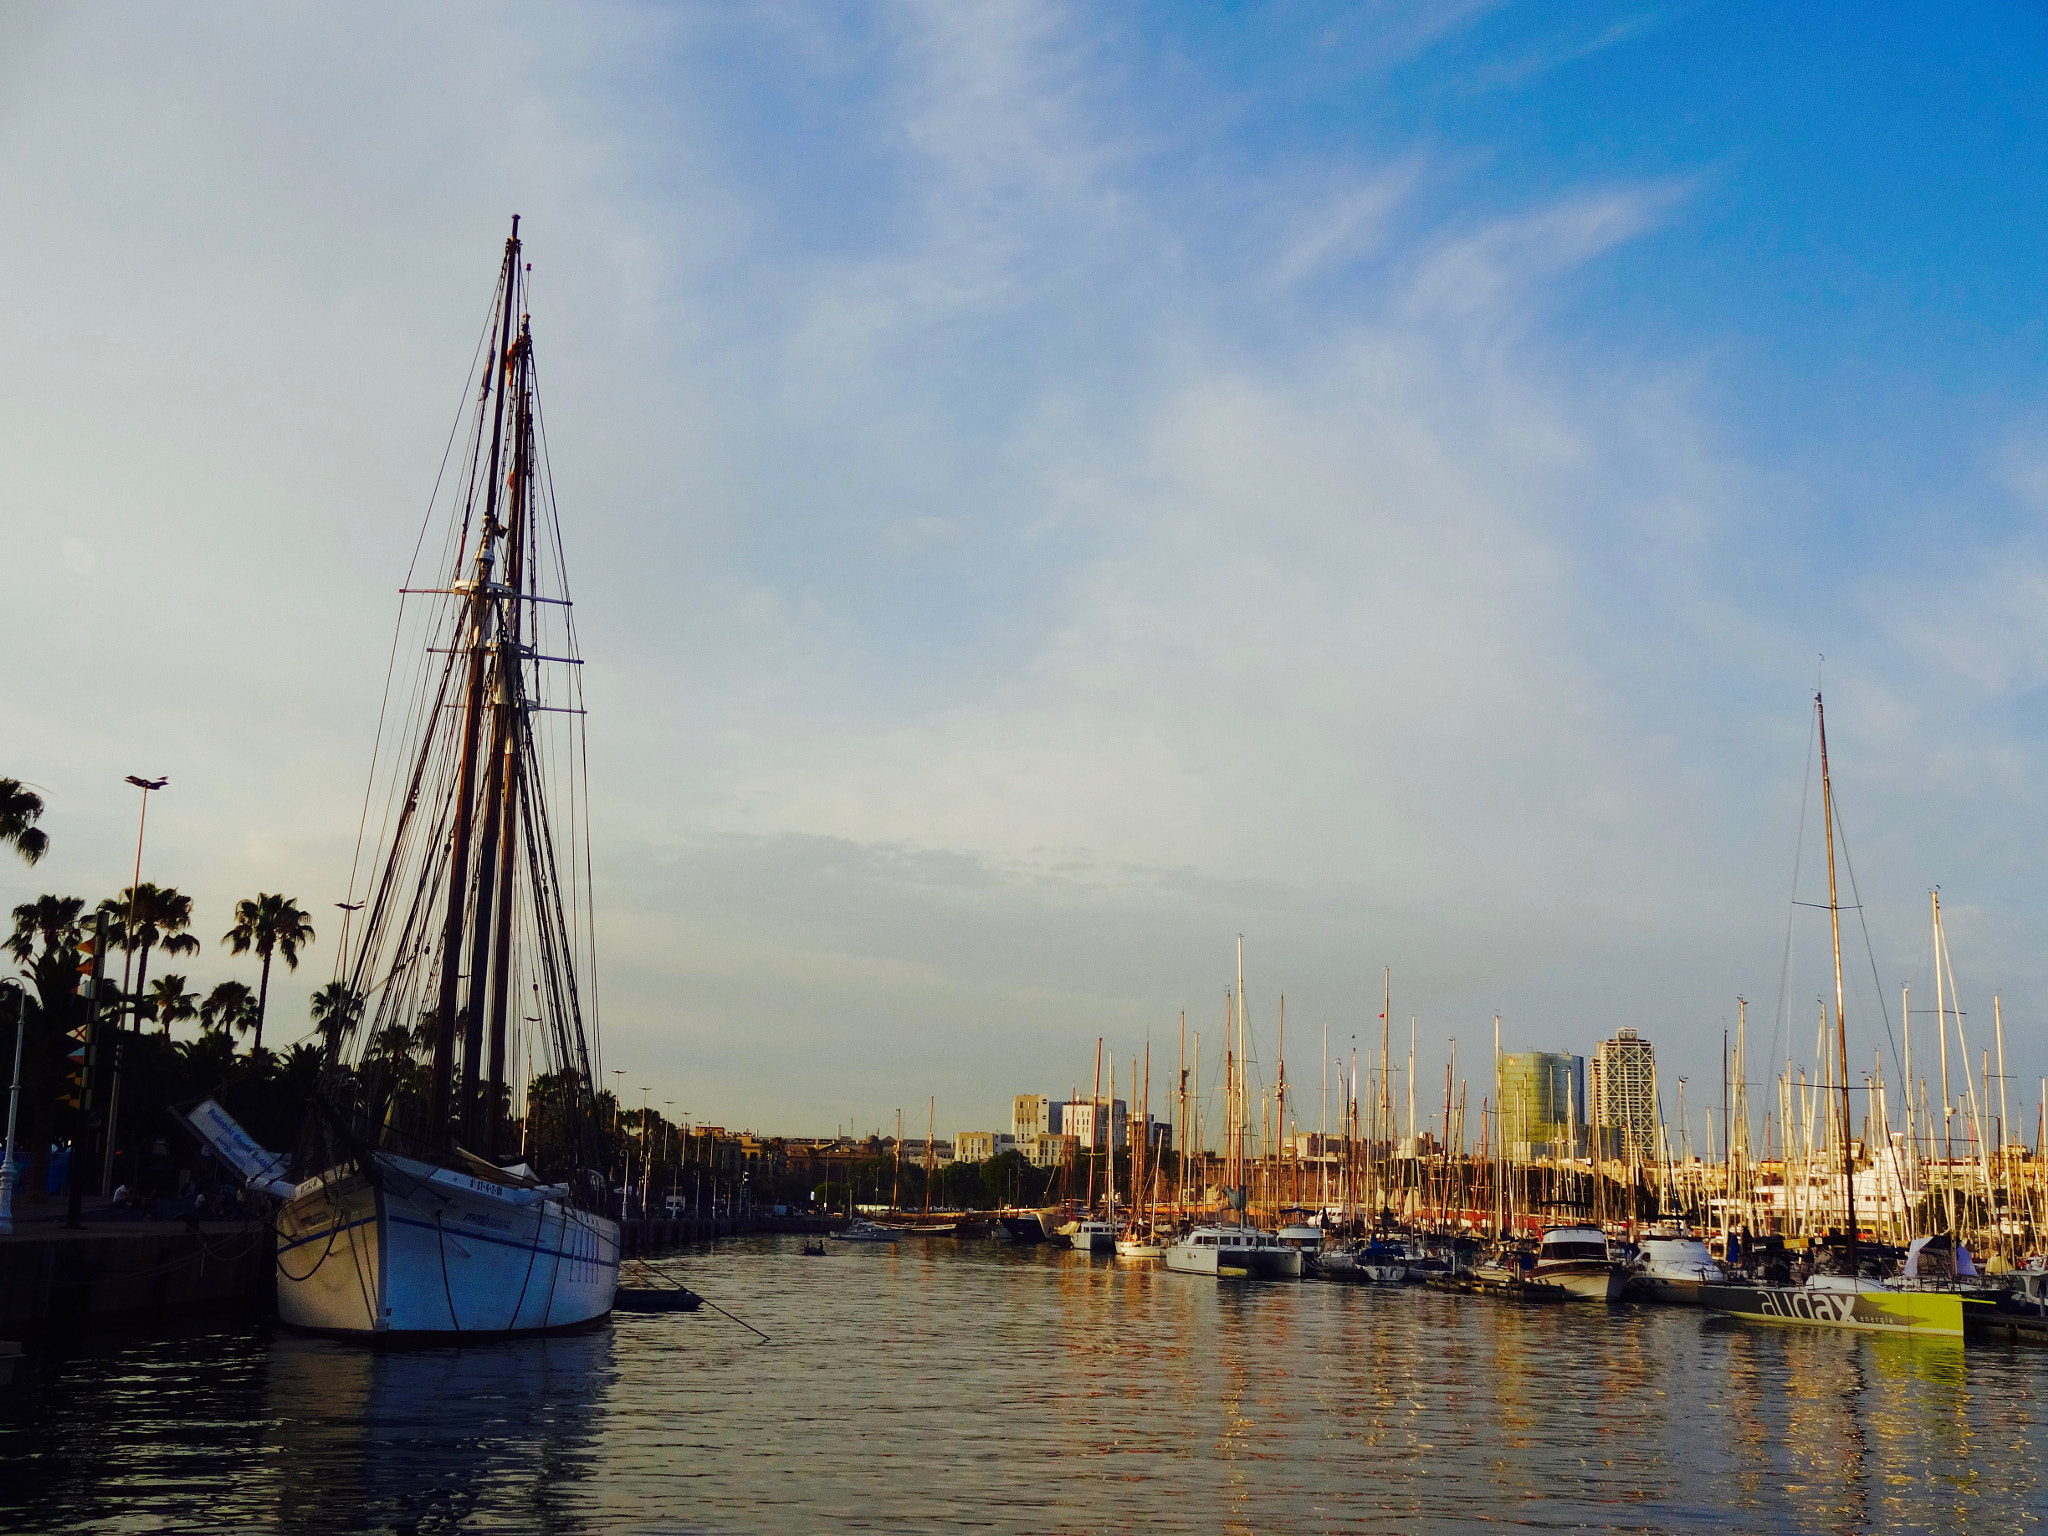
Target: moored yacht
x,y
1578,1259
1307,1241
1672,1267
1841,1301
1093,1236
1233,1251
861,1230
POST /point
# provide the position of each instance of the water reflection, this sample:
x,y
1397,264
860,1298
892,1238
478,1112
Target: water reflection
x,y
429,1439
944,1385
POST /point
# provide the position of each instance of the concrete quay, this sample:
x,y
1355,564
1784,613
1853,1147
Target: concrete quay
x,y
122,1272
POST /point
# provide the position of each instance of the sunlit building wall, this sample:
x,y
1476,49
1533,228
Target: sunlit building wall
x,y
1542,1100
1625,1096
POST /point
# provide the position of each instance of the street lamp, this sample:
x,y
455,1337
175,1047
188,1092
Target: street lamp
x,y
13,1105
135,890
127,962
618,1086
348,908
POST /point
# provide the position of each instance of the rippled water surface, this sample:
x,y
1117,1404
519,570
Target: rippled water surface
x,y
952,1386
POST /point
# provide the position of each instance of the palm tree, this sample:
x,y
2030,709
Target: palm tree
x,y
161,915
19,810
269,925
229,1006
335,1009
169,1003
53,919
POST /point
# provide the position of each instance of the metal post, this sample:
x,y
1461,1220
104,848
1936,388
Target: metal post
x,y
81,1137
13,1107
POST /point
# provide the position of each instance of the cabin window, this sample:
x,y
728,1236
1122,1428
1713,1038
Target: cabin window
x,y
1574,1250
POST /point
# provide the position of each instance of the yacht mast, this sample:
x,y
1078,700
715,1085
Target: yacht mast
x,y
1238,1121
479,610
1827,796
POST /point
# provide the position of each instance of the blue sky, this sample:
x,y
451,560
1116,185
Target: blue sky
x,y
1058,487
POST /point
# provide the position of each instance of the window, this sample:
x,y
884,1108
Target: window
x,y
1574,1250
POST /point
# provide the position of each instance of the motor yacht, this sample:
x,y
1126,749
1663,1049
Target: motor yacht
x,y
1672,1267
1577,1258
1092,1236
861,1230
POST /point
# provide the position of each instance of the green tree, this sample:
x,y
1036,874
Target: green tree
x,y
161,916
270,925
169,1003
230,1006
20,809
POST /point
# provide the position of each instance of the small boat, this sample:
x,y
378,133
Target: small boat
x,y
812,1250
656,1299
861,1230
1030,1226
1095,1236
1373,1263
1305,1240
1578,1259
1495,1281
1672,1267
1144,1245
1233,1250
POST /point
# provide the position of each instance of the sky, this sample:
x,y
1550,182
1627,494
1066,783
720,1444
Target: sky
x,y
1051,489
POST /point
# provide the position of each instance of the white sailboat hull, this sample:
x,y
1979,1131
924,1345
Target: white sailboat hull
x,y
430,1253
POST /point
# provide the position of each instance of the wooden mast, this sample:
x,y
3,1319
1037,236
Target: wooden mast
x,y
511,733
479,611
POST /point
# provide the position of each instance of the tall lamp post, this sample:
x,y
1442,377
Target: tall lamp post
x,y
646,1160
13,1105
670,1104
134,1004
619,1087
348,910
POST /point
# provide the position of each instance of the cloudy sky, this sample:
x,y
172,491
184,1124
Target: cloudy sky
x,y
1051,489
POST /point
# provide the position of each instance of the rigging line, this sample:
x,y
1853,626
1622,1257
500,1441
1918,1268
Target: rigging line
x,y
1780,1021
390,669
1883,1009
582,737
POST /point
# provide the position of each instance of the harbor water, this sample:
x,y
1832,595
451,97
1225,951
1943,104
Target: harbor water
x,y
952,1385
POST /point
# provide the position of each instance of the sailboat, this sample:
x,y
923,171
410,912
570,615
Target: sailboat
x,y
426,1200
1848,1299
1234,1247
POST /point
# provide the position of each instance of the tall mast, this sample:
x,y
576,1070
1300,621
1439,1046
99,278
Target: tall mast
x,y
511,732
1094,1126
1237,1127
1383,1104
479,613
1827,798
